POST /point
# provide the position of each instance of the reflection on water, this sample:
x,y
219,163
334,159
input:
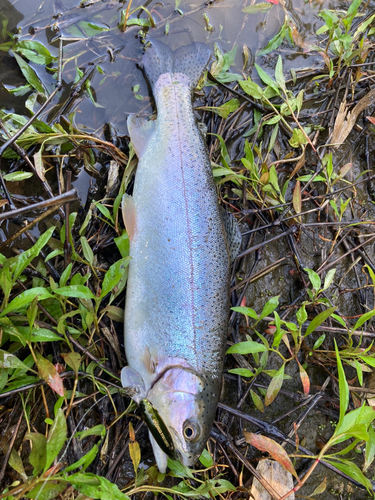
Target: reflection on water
x,y
92,30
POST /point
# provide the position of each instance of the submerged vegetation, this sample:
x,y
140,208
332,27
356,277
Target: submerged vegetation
x,y
284,156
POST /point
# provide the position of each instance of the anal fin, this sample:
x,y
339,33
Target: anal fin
x,y
232,233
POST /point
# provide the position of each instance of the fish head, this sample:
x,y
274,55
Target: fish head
x,y
186,402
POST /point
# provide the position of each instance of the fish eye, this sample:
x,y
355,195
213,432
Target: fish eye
x,y
191,431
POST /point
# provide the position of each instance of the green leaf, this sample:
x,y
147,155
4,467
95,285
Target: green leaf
x,y
179,470
73,359
96,487
343,388
247,347
37,457
279,76
275,386
220,486
319,342
47,490
206,459
76,291
275,42
225,109
29,74
353,8
113,276
24,259
301,315
66,275
298,138
224,157
104,210
87,251
329,278
97,430
145,23
339,320
269,307
15,461
267,79
122,243
242,372
17,176
251,88
318,320
370,449
273,120
56,439
115,313
353,471
24,298
84,461
44,335
353,423
247,311
365,317
257,8
257,401
21,382
34,51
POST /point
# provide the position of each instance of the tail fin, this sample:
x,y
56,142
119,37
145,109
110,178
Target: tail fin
x,y
190,60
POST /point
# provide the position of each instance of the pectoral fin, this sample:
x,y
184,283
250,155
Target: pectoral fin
x,y
133,383
140,131
232,233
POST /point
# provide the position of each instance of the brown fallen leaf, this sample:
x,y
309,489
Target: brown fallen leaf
x,y
298,166
277,477
345,120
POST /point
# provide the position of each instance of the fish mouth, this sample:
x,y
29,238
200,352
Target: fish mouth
x,y
157,427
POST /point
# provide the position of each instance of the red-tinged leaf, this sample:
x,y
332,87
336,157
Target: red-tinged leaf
x,y
276,451
275,2
297,203
49,373
59,368
275,386
131,432
270,330
371,119
304,379
345,169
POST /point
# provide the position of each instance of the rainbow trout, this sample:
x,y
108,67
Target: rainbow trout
x,y
180,245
